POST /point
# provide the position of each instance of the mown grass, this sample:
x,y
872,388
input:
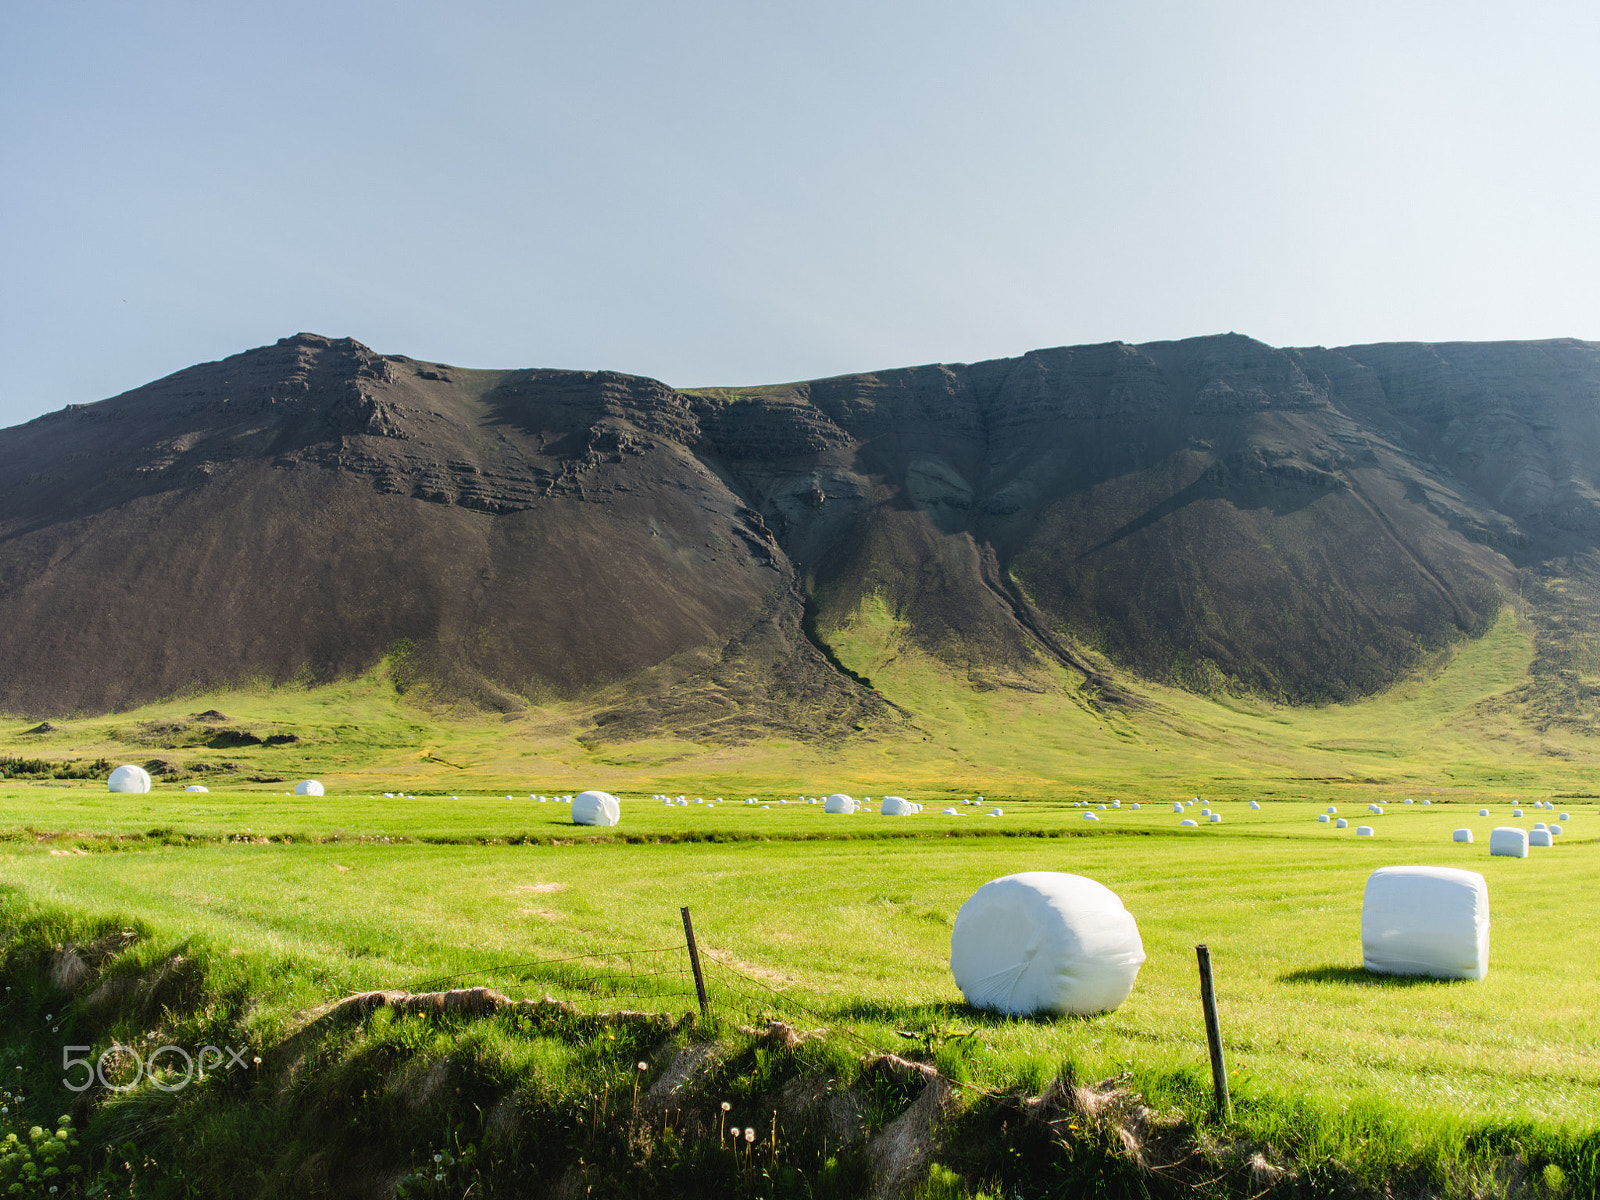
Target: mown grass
x,y
840,923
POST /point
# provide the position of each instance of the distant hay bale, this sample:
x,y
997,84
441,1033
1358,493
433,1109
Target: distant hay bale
x,y
1516,812
596,808
1553,830
1134,806
1483,812
1540,825
1045,942
896,806
1216,818
1322,818
1408,801
1509,841
1191,822
1430,921
995,812
1566,816
1427,801
839,803
195,787
1462,835
1374,808
1540,837
1090,817
129,778
1332,810
1363,830
311,787
1254,807
1177,806
1341,823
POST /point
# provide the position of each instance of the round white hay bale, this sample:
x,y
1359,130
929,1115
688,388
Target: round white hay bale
x,y
1516,812
1090,817
1540,825
1332,810
839,803
1341,823
195,787
995,812
1483,812
1427,801
1540,837
1566,816
1134,806
896,806
1374,808
1426,921
1462,835
1216,818
596,808
1553,830
1101,807
129,778
1409,801
1363,830
1191,822
311,787
1177,806
1509,841
1254,807
1045,942
1322,818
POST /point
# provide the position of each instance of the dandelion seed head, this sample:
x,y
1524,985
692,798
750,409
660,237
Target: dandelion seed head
x,y
749,1134
725,1105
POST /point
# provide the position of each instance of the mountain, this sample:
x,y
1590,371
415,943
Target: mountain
x,y
1302,524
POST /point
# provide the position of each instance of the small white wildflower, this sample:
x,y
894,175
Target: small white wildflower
x,y
725,1105
749,1134
438,1158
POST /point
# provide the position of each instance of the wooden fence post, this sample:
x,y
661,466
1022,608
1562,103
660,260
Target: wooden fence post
x,y
1208,1001
694,961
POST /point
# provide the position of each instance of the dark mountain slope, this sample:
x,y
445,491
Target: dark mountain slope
x,y
1305,524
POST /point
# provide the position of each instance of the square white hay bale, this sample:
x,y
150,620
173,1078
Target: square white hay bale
x,y
1540,837
1509,841
1516,812
1426,921
1045,942
1462,835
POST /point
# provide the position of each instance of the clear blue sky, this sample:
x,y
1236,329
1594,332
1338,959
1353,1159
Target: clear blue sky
x,y
750,192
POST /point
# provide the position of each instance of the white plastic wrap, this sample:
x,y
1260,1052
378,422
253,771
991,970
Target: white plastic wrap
x,y
129,778
1322,818
839,803
896,806
596,808
1216,818
1510,841
1045,942
308,787
1090,817
195,787
1540,837
1426,921
1191,822
1462,835
1483,812
1363,830
1553,830
1341,823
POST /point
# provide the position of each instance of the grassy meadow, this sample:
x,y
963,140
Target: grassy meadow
x,y
842,923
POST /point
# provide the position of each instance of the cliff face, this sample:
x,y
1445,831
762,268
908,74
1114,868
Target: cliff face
x,y
1214,512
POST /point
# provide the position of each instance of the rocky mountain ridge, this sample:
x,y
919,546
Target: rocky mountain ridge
x,y
1305,524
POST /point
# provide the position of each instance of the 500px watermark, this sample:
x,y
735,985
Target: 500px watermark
x,y
123,1058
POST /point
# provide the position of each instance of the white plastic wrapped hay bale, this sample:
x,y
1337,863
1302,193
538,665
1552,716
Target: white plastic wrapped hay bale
x,y
1566,816
1427,801
1135,806
1540,837
129,778
1341,823
1045,942
1540,825
1426,921
1509,841
1483,812
1177,806
1322,818
1409,801
1462,835
896,806
1190,822
1090,817
995,812
839,803
1216,818
1332,811
195,787
1363,830
1254,807
1516,812
1375,808
596,808
311,787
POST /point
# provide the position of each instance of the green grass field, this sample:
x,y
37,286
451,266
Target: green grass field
x,y
842,923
